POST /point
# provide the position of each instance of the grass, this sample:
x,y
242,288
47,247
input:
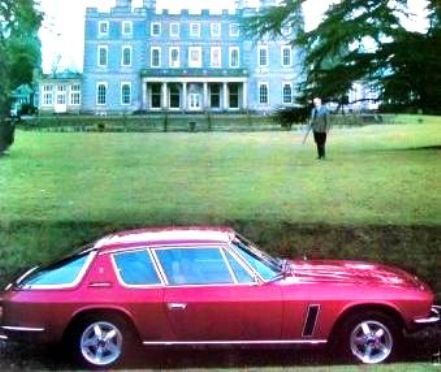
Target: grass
x,y
374,175
376,197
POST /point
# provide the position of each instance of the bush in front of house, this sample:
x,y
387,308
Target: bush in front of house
x,y
287,116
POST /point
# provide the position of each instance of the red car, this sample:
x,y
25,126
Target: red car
x,y
210,286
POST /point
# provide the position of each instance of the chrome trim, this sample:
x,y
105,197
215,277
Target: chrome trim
x,y
23,329
176,306
100,285
435,316
237,342
3,337
227,263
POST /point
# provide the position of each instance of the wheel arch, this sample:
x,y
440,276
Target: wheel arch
x,y
384,309
103,311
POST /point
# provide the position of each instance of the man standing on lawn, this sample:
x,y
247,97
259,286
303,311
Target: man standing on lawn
x,y
320,126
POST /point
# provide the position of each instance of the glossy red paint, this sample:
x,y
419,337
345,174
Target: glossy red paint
x,y
266,311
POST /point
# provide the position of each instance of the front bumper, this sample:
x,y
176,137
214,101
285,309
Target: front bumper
x,y
432,319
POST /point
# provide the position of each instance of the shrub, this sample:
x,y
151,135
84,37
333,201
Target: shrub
x,y
287,116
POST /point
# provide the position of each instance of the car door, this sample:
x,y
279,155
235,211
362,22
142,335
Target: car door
x,y
206,302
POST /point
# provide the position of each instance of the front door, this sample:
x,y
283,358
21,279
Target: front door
x,y
205,303
195,101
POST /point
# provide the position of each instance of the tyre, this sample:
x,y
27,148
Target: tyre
x,y
101,341
370,338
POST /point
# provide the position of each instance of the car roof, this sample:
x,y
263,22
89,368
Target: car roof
x,y
166,235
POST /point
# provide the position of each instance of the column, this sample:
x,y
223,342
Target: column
x,y
184,96
164,100
205,96
144,103
225,100
244,96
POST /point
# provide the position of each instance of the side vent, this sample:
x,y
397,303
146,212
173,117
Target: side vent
x,y
311,320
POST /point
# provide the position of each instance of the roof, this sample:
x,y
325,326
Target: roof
x,y
167,235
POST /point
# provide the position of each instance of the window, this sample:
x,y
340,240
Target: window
x,y
234,29
216,57
101,96
286,56
259,261
242,275
287,93
47,95
156,29
195,29
174,29
75,95
175,96
103,28
197,266
65,273
263,56
127,28
215,95
234,57
102,55
233,89
215,29
195,57
156,95
286,30
136,268
156,57
126,58
263,93
61,88
126,93
61,99
174,57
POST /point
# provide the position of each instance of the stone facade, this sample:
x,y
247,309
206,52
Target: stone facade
x,y
144,60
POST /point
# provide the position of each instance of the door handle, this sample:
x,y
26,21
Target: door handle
x,y
176,306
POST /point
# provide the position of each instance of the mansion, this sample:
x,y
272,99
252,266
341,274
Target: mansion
x,y
139,59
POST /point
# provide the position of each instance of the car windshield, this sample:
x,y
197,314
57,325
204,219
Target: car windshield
x,y
267,266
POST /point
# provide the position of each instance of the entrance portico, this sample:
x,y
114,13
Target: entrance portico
x,y
175,89
194,94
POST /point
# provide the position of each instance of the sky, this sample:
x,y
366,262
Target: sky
x,y
62,32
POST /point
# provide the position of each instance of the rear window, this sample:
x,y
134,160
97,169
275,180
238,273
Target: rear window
x,y
65,273
136,268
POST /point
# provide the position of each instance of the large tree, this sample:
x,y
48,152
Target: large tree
x,y
19,49
365,40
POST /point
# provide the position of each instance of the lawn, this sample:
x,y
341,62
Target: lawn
x,y
376,197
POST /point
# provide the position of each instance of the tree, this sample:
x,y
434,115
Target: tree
x,y
19,51
365,40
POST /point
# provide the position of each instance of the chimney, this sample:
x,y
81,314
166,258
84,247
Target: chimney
x,y
150,4
123,3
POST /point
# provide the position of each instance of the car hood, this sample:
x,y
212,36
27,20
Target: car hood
x,y
352,272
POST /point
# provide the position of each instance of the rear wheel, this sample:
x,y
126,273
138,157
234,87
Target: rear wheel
x,y
370,338
101,341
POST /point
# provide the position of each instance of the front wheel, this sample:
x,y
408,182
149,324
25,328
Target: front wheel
x,y
370,338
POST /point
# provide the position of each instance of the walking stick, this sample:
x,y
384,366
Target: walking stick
x,y
307,134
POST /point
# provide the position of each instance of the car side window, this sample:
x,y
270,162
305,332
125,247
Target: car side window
x,y
136,268
194,266
242,276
